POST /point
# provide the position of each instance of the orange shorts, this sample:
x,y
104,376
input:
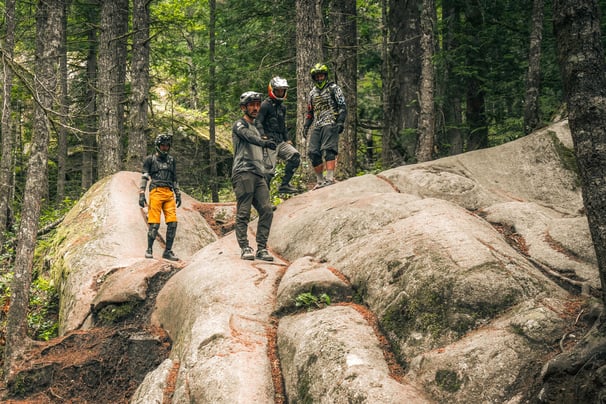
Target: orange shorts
x,y
162,199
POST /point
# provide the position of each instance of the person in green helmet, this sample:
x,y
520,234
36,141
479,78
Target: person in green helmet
x,y
326,113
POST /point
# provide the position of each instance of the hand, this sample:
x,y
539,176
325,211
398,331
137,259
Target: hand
x,y
305,131
340,127
178,198
270,144
142,200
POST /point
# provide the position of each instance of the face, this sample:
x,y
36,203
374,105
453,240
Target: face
x,y
164,147
279,92
320,77
252,108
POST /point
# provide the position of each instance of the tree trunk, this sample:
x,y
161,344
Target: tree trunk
x,y
88,138
343,19
309,52
401,82
137,135
532,118
212,149
426,99
583,70
475,113
109,94
48,43
6,158
64,109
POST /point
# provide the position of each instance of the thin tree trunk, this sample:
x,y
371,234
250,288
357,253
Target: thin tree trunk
x,y
425,145
48,43
532,118
88,138
6,158
137,135
583,71
343,20
212,150
64,109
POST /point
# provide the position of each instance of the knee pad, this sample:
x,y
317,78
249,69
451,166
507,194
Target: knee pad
x,y
152,231
294,161
316,159
330,155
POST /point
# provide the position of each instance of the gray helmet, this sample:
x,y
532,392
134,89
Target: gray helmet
x,y
163,138
249,97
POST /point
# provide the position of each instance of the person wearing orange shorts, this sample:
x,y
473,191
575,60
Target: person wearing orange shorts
x,y
164,195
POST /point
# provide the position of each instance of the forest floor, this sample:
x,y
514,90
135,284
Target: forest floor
x,y
107,364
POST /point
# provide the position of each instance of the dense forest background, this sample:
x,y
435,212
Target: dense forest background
x,y
86,86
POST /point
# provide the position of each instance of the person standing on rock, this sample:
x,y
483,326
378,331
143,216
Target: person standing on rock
x,y
271,124
164,196
326,111
249,178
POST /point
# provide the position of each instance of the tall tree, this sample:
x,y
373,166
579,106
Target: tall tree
x,y
63,109
109,80
532,117
6,158
138,128
344,20
583,69
90,98
212,69
48,43
401,82
309,52
425,143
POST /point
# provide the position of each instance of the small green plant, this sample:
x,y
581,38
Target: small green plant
x,y
309,300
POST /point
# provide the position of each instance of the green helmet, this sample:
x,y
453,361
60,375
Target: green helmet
x,y
317,69
163,138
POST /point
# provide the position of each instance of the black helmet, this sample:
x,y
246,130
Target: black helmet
x,y
249,97
317,69
163,138
277,83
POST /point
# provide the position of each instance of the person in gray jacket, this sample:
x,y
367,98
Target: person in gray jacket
x,y
249,178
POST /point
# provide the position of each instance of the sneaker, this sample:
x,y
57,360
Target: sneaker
x,y
263,254
287,189
247,254
319,185
329,182
149,253
168,255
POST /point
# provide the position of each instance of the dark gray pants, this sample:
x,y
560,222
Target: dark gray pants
x,y
251,191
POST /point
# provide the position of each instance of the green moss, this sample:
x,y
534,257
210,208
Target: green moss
x,y
114,313
448,380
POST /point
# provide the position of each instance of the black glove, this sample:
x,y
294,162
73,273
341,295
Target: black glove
x,y
142,200
305,131
270,144
340,127
178,198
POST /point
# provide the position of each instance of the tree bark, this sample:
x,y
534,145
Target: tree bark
x,y
6,157
532,118
212,149
583,71
425,144
48,43
64,110
109,94
309,52
401,82
343,19
137,135
88,138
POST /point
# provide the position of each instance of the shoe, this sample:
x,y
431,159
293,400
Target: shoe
x,y
263,254
329,182
149,253
319,185
168,255
247,254
287,189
